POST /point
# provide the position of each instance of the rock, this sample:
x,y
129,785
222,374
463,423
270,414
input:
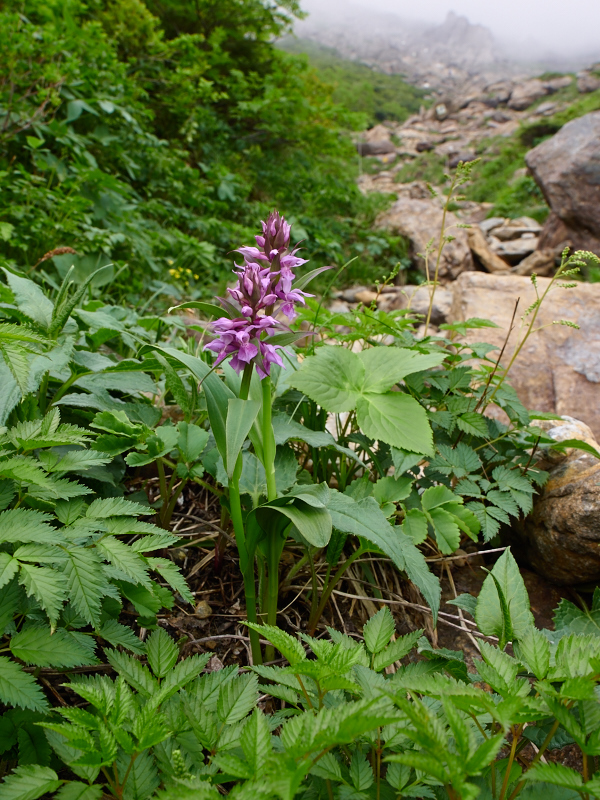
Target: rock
x,y
546,108
376,148
498,93
524,94
561,430
567,170
203,610
561,537
338,307
500,116
555,84
515,228
441,111
419,220
481,249
542,262
349,295
558,371
587,82
423,147
464,156
417,299
489,224
366,297
515,249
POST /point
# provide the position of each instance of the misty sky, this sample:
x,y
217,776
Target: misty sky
x,y
563,26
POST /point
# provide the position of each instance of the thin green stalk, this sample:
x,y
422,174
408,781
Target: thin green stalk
x,y
537,756
268,439
162,481
441,243
246,563
67,385
513,749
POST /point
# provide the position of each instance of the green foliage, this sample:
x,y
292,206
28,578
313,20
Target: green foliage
x,y
349,727
375,94
148,137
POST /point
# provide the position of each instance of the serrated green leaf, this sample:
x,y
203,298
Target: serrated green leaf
x,y
79,791
489,615
237,698
9,567
116,634
137,675
533,650
124,559
17,688
86,583
115,507
181,674
330,378
25,525
447,532
396,419
172,575
162,652
556,774
255,741
47,586
29,783
396,650
289,647
473,423
39,646
378,630
386,366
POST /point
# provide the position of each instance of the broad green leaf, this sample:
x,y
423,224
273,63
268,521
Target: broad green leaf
x,y
79,791
240,418
192,441
437,496
386,366
447,532
29,782
473,423
162,652
366,520
17,688
286,429
396,419
40,647
378,630
331,378
488,615
415,525
312,522
30,299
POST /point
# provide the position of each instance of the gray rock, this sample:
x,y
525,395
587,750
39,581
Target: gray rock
x,y
545,109
555,84
376,148
463,156
515,249
524,94
567,170
587,82
489,224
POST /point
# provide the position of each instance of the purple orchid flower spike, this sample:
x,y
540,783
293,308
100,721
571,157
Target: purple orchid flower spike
x,y
264,289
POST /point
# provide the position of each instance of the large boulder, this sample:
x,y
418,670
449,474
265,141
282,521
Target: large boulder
x,y
558,370
525,94
561,537
567,170
418,216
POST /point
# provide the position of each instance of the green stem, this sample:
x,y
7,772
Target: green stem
x,y
246,562
439,256
67,385
537,757
164,494
268,439
314,618
513,749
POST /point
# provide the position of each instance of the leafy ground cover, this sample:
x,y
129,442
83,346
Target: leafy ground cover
x,y
303,451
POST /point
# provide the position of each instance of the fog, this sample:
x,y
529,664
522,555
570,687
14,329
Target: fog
x,y
565,28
